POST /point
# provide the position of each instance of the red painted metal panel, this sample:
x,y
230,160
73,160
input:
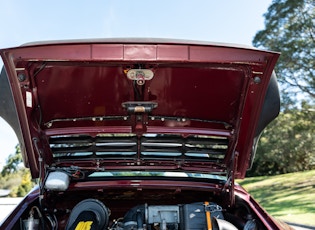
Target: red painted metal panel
x,y
139,52
173,53
107,52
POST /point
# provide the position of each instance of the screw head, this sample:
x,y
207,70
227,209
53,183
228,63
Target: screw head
x,y
21,77
257,79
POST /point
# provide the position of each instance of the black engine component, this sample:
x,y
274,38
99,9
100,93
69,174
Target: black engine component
x,y
134,217
93,214
195,216
88,214
198,215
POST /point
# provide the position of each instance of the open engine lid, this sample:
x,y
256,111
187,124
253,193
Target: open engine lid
x,y
130,104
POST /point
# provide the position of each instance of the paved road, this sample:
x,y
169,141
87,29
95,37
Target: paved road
x,y
301,227
7,205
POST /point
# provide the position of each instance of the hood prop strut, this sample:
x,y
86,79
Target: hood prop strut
x,y
41,167
229,185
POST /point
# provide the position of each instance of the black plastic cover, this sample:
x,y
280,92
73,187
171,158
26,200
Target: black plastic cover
x,y
195,215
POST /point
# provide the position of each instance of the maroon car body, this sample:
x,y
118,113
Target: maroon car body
x,y
138,133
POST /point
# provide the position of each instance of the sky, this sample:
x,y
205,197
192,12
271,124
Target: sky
x,y
228,21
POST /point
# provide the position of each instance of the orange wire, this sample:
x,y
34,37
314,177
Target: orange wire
x,y
208,217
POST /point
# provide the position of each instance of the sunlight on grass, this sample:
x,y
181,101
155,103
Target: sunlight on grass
x,y
289,197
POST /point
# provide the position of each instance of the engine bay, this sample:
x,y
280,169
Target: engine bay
x,y
162,217
130,209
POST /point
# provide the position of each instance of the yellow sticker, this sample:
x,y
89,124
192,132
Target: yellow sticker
x,y
84,225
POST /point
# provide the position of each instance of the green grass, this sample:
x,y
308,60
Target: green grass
x,y
289,197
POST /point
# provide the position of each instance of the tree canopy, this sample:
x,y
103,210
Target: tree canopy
x,y
288,143
290,29
13,162
15,177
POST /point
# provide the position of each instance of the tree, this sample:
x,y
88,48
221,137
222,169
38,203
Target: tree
x,y
287,144
13,162
15,177
290,29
